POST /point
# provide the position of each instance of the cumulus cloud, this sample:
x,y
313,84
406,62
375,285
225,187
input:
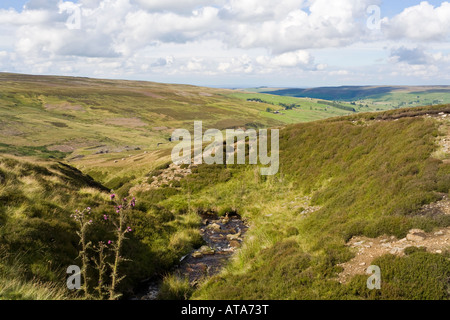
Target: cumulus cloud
x,y
288,59
422,22
181,7
213,36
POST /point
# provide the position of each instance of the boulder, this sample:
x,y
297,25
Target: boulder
x,y
231,237
205,250
215,226
416,235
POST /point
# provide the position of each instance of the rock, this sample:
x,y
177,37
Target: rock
x,y
439,233
358,243
362,264
231,237
215,226
396,250
438,251
205,250
235,244
197,254
416,235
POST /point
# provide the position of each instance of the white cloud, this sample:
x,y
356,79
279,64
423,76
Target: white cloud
x,y
288,59
181,7
422,22
230,37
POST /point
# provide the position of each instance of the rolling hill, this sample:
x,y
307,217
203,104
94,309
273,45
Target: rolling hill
x,y
383,177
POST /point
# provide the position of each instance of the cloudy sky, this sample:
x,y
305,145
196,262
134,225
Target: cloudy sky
x,y
232,43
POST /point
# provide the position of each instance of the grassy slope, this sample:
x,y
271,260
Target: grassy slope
x,y
369,178
78,113
310,109
38,238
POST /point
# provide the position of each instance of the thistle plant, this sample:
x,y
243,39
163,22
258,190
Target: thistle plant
x,y
102,250
119,220
100,266
84,221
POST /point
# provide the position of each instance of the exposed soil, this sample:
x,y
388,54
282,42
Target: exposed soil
x,y
367,249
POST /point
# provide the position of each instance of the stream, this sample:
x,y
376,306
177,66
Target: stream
x,y
222,236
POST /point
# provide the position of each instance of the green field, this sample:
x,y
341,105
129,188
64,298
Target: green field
x,y
370,98
308,110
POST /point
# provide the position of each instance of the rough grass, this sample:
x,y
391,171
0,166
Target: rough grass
x,y
36,201
364,180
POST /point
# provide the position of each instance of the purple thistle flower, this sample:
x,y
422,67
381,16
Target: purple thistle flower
x,y
113,196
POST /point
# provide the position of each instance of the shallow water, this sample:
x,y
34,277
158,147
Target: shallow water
x,y
223,235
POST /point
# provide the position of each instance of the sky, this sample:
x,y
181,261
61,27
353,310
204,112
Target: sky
x,y
231,43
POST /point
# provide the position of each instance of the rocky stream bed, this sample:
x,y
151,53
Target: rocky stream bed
x,y
222,236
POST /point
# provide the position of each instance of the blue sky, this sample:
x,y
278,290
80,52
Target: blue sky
x,y
238,43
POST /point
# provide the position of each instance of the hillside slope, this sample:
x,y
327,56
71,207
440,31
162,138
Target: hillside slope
x,y
340,179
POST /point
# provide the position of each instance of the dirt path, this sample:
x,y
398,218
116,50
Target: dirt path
x,y
367,249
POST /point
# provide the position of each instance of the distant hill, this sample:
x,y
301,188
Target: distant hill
x,y
355,92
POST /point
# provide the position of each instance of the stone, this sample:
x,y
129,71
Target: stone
x,y
438,251
205,250
215,226
439,233
416,235
396,250
235,244
197,254
231,237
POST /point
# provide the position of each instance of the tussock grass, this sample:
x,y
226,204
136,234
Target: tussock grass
x,y
362,180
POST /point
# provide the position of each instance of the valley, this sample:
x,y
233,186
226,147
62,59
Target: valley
x,y
349,176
